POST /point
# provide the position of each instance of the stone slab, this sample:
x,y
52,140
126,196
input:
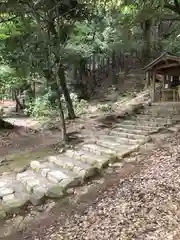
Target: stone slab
x,y
56,176
6,191
9,197
55,192
79,168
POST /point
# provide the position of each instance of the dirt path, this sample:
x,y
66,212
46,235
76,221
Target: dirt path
x,y
136,202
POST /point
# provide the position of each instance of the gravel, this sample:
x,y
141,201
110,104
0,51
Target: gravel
x,y
143,206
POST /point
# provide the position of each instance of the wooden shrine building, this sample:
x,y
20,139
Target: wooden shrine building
x,y
166,70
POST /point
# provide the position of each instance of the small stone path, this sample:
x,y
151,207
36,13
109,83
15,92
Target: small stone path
x,y
52,176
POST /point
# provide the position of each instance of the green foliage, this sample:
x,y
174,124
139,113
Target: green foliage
x,y
40,107
80,107
105,108
36,35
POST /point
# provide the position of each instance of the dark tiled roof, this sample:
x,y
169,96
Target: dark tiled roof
x,y
165,55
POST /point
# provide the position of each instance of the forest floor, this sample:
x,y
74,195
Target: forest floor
x,y
137,201
33,139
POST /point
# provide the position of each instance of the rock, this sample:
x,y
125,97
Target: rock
x,y
55,192
35,165
5,191
70,191
2,214
37,195
2,184
14,205
50,206
31,184
9,197
25,176
56,176
17,186
45,171
116,164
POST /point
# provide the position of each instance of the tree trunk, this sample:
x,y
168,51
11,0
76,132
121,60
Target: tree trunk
x,y
113,68
62,79
19,105
51,82
146,26
94,68
63,131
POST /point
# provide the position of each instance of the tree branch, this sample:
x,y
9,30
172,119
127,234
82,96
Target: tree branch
x,y
2,20
173,7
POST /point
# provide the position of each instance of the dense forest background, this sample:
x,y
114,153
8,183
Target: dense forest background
x,y
55,55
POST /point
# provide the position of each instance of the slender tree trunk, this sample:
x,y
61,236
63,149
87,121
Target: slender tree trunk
x,y
19,105
61,113
146,26
113,68
94,67
62,79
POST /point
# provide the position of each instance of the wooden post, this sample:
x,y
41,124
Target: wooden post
x,y
164,80
163,87
153,86
148,79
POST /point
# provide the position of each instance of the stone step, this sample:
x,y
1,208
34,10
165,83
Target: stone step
x,y
143,123
96,160
133,136
151,118
12,193
161,110
126,140
165,107
110,141
45,167
82,170
167,119
135,126
36,185
98,149
125,129
116,151
166,114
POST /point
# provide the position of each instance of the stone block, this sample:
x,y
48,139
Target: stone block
x,y
25,176
55,192
17,186
56,176
45,171
3,184
9,197
31,184
35,165
14,205
37,195
5,191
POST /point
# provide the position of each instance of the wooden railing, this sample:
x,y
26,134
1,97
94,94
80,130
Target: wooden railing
x,y
165,95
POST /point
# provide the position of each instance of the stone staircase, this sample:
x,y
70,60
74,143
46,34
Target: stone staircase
x,y
52,176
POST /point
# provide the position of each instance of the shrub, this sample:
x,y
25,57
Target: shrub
x,y
42,107
105,108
